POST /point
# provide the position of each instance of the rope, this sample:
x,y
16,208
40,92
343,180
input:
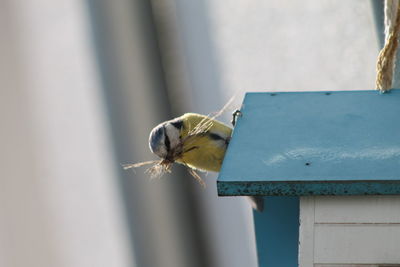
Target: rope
x,y
387,56
390,16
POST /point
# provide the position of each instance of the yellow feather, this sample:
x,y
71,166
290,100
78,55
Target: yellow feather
x,y
200,150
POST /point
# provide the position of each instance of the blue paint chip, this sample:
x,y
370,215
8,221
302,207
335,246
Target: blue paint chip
x,y
314,143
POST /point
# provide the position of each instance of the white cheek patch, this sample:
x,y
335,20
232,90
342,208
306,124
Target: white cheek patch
x,y
173,135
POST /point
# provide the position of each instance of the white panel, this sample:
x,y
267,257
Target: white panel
x,y
357,209
355,243
306,238
353,265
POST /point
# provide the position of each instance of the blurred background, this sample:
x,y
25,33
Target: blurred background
x,y
84,81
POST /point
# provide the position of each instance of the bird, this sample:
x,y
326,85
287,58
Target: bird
x,y
196,141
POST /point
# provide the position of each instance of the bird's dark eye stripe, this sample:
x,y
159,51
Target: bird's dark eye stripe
x,y
177,124
215,136
166,140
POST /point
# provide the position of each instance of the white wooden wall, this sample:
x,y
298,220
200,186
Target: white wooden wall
x,y
349,231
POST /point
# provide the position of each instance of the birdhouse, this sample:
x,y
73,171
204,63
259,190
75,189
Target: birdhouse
x,y
328,167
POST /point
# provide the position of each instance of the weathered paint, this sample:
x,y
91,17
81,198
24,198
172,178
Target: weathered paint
x,y
314,143
301,188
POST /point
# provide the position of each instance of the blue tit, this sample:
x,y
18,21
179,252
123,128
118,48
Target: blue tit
x,y
194,140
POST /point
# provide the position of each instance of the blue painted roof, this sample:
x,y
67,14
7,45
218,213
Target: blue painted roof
x,y
311,143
